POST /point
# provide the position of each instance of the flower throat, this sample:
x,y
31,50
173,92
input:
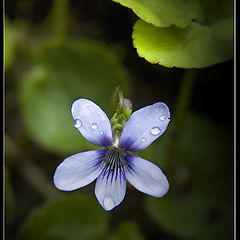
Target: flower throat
x,y
115,159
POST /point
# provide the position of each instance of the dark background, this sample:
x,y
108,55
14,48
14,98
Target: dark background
x,y
213,96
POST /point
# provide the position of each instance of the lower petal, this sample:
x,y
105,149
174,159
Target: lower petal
x,y
146,176
110,188
79,170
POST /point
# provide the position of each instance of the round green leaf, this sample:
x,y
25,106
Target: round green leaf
x,y
73,217
196,46
127,230
199,204
166,12
62,72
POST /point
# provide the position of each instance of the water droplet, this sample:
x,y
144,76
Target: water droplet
x,y
101,133
161,59
77,123
162,117
143,140
155,130
108,202
94,126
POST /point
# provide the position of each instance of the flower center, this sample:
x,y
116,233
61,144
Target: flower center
x,y
115,159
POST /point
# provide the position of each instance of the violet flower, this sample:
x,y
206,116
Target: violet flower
x,y
112,165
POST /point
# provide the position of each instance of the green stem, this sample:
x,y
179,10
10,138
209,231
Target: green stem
x,y
59,17
184,97
182,105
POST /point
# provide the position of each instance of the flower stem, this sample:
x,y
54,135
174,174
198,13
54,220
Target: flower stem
x,y
184,96
181,109
121,115
59,17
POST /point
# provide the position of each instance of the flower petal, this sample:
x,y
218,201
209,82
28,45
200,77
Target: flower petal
x,y
92,122
79,170
146,176
144,126
110,188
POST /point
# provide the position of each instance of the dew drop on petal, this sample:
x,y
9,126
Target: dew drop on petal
x,y
143,140
77,123
108,202
155,130
94,126
101,133
162,117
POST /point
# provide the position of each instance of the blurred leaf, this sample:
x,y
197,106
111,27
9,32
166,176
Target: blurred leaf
x,y
63,71
9,199
127,230
9,43
74,217
199,204
166,12
191,217
196,46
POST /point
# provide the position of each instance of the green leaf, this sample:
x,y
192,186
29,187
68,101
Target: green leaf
x,y
199,204
63,71
73,217
184,34
166,12
127,230
196,46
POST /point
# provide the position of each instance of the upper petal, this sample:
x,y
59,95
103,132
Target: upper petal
x,y
144,126
79,170
110,188
146,176
92,122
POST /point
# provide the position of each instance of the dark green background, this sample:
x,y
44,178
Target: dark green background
x,y
199,204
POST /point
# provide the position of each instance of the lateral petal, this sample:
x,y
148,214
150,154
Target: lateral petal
x,y
146,176
79,170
